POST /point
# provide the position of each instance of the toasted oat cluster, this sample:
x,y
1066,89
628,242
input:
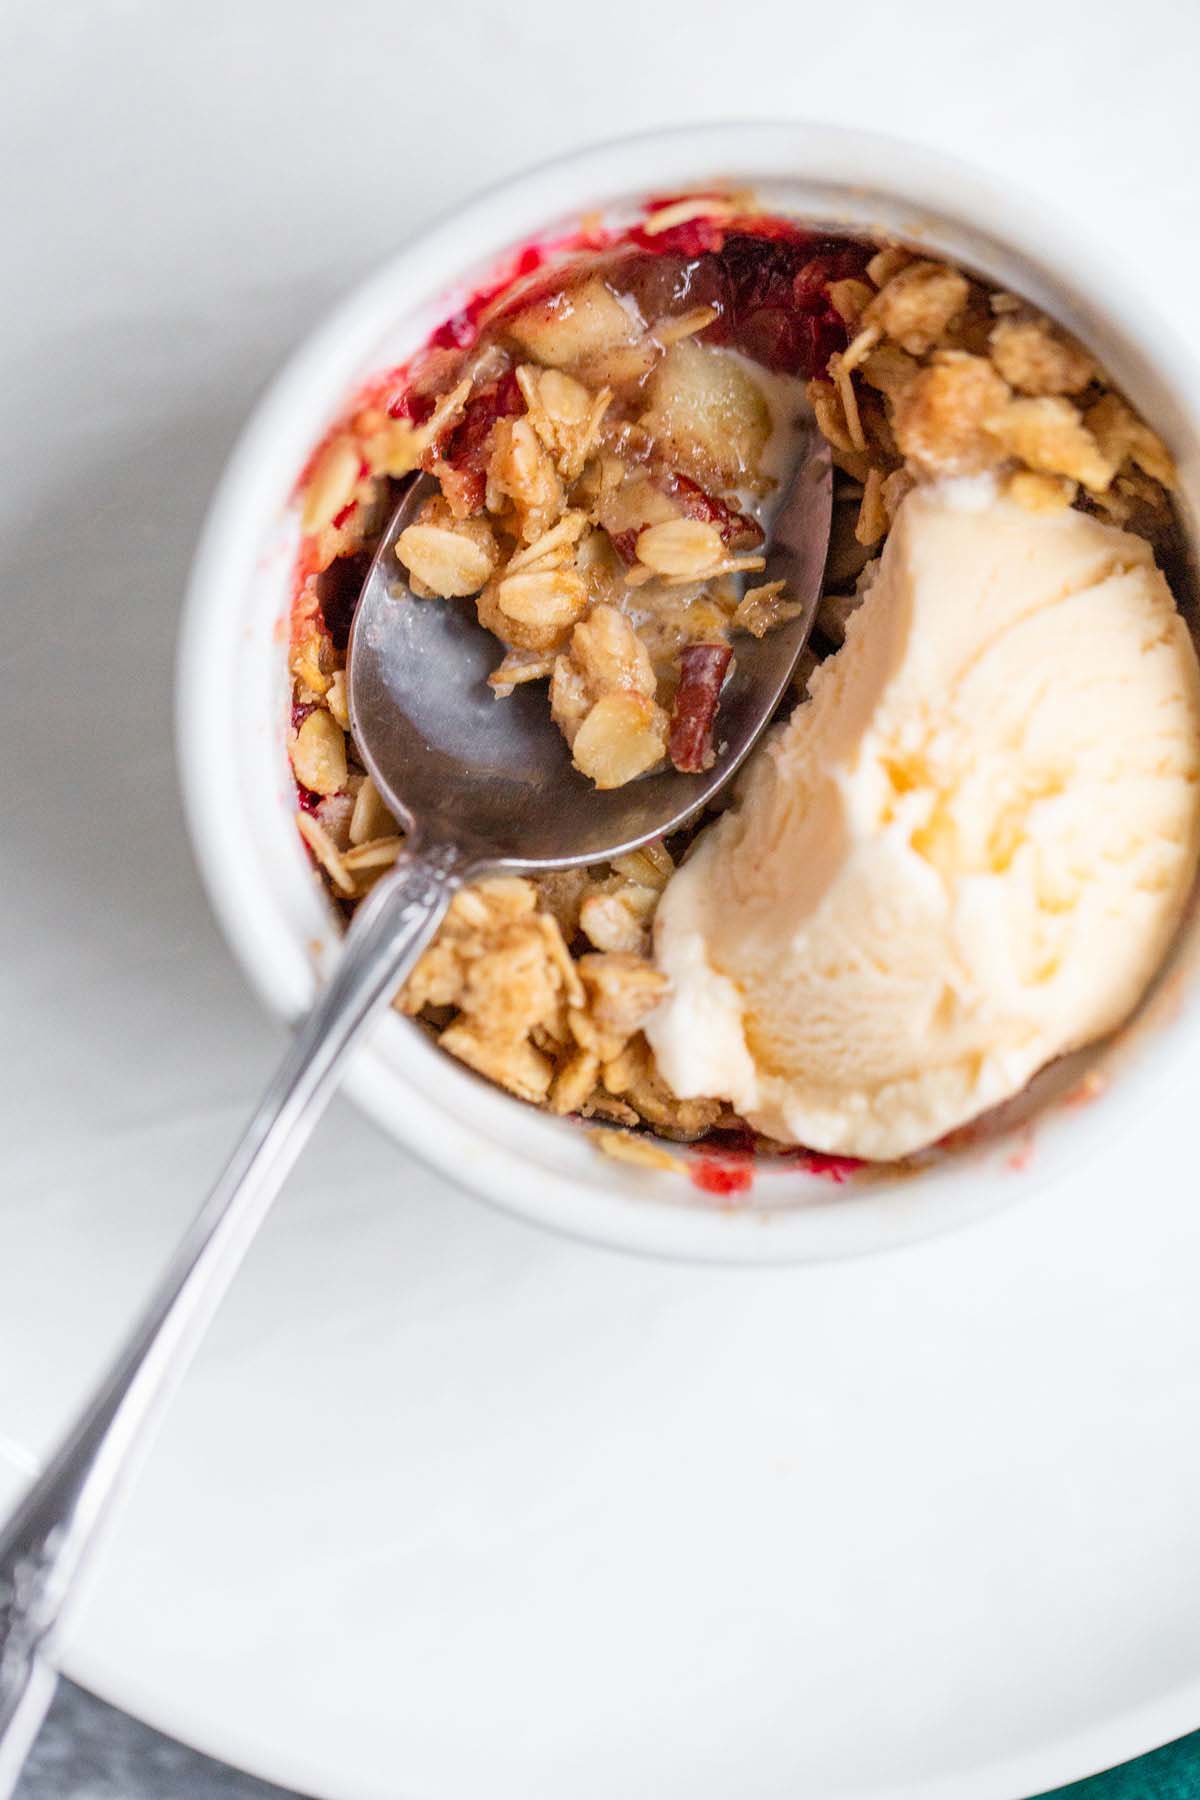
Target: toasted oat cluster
x,y
943,377
603,442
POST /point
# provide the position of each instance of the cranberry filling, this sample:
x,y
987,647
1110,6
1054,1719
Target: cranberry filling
x,y
836,1168
768,282
416,408
779,310
461,329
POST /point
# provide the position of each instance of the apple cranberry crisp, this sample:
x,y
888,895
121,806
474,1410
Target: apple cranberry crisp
x,y
605,433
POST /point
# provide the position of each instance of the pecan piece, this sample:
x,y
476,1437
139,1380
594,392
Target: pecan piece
x,y
737,529
460,458
701,671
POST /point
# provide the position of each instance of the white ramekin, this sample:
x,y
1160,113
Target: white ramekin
x,y
232,687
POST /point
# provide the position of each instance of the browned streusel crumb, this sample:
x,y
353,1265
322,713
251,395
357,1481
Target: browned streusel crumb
x,y
973,382
564,504
573,1082
1123,438
528,1014
1035,357
367,862
890,369
842,372
633,1077
616,909
337,698
1150,494
620,990
917,305
616,915
514,1064
762,609
1049,436
532,610
522,471
601,1105
942,418
1040,493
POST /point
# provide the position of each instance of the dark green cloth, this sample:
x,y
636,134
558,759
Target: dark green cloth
x,y
1172,1773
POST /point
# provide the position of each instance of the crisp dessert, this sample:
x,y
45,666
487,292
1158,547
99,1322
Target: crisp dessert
x,y
966,850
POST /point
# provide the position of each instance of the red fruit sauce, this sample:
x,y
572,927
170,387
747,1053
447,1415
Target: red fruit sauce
x,y
726,1162
836,1168
462,328
722,1177
778,309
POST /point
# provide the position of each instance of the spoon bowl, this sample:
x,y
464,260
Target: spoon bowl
x,y
459,765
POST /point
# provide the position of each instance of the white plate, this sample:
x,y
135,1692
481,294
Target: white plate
x,y
451,1508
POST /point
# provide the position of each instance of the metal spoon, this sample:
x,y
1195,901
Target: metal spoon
x,y
479,784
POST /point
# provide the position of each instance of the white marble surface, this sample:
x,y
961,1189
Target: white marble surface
x,y
188,185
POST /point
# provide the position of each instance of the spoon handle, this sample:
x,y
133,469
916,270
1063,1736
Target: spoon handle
x,y
46,1539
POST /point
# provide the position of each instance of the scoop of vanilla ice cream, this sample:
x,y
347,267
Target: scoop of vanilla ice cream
x,y
963,856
